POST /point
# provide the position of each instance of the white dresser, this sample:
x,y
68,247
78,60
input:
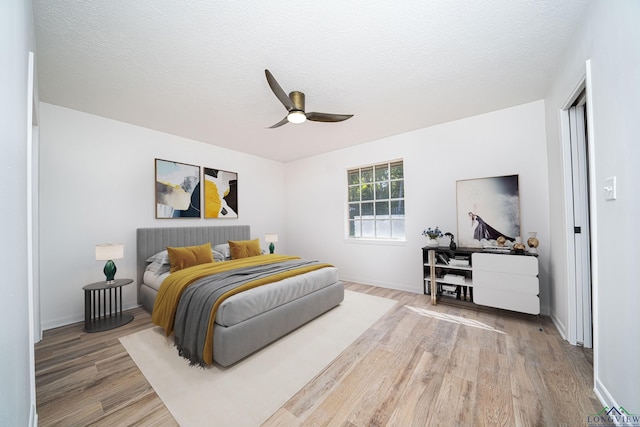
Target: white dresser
x,y
509,282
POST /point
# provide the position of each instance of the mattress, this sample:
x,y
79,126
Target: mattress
x,y
250,303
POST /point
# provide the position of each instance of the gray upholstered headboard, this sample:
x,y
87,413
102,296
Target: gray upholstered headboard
x,y
153,240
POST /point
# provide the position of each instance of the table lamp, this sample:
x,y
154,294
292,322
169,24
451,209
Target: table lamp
x,y
108,252
271,238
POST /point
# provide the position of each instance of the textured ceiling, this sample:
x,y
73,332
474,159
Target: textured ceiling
x,y
196,68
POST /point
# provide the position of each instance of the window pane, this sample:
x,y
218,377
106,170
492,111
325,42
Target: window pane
x,y
368,228
383,228
397,189
397,207
367,174
397,228
354,193
354,210
353,176
367,191
397,170
354,228
382,172
367,209
382,209
382,190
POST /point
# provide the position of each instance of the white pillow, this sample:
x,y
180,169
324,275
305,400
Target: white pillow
x,y
217,256
158,269
223,249
159,258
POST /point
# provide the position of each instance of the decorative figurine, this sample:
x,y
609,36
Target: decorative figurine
x,y
518,248
452,244
533,242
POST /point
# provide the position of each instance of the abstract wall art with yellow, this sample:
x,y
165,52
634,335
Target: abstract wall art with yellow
x,y
177,190
220,194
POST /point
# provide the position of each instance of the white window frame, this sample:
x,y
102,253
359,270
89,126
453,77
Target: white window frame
x,y
358,236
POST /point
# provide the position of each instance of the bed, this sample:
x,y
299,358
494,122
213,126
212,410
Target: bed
x,y
252,319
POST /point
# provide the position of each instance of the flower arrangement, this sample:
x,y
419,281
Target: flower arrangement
x,y
432,233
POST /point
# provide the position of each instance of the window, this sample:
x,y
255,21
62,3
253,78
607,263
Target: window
x,y
376,201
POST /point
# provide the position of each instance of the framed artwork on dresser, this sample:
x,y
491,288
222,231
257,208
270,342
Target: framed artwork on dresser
x,y
177,189
487,208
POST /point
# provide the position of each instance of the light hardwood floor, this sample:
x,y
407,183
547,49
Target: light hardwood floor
x,y
420,365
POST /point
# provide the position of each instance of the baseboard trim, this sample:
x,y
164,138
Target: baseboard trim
x,y
33,416
386,285
70,320
559,326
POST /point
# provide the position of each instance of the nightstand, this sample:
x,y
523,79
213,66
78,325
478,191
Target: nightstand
x,y
103,306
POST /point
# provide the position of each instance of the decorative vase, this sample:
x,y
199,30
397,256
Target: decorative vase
x,y
433,243
533,242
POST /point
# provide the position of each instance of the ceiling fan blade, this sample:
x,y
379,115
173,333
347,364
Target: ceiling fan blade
x,y
280,123
277,90
326,117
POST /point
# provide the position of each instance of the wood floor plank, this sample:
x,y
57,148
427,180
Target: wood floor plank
x,y
494,404
424,382
308,399
419,365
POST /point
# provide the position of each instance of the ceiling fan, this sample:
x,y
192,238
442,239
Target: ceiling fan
x,y
294,103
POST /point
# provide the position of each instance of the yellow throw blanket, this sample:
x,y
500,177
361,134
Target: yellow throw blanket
x,y
172,288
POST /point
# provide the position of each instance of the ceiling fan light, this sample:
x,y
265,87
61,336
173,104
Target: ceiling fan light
x,y
296,116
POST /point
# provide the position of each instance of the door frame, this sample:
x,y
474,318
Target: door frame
x,y
570,259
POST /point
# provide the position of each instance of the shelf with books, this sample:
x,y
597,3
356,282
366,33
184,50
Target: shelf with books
x,y
505,281
450,271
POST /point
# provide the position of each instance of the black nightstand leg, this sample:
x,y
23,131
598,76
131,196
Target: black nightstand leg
x,y
87,309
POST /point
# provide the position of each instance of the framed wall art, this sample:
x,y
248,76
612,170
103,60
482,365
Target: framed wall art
x,y
220,194
487,208
177,190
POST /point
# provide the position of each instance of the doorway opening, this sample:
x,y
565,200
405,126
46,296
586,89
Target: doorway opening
x,y
578,190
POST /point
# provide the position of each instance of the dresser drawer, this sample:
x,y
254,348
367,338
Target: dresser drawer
x,y
515,264
523,303
506,282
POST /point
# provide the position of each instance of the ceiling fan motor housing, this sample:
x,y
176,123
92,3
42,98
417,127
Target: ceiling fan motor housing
x,y
298,100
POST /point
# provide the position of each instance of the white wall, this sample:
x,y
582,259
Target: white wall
x,y
17,406
610,39
510,141
97,185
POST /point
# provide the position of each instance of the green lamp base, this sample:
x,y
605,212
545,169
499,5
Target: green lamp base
x,y
110,271
272,247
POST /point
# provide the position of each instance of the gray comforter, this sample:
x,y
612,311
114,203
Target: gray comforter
x,y
197,301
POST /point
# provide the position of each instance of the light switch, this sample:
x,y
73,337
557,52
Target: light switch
x,y
610,188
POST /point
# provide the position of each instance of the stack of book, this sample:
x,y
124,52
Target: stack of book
x,y
489,248
454,278
450,289
459,262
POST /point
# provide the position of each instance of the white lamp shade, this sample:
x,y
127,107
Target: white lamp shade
x,y
270,237
107,251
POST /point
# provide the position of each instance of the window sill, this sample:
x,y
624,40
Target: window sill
x,y
382,242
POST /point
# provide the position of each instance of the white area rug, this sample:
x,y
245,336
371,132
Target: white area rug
x,y
247,393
